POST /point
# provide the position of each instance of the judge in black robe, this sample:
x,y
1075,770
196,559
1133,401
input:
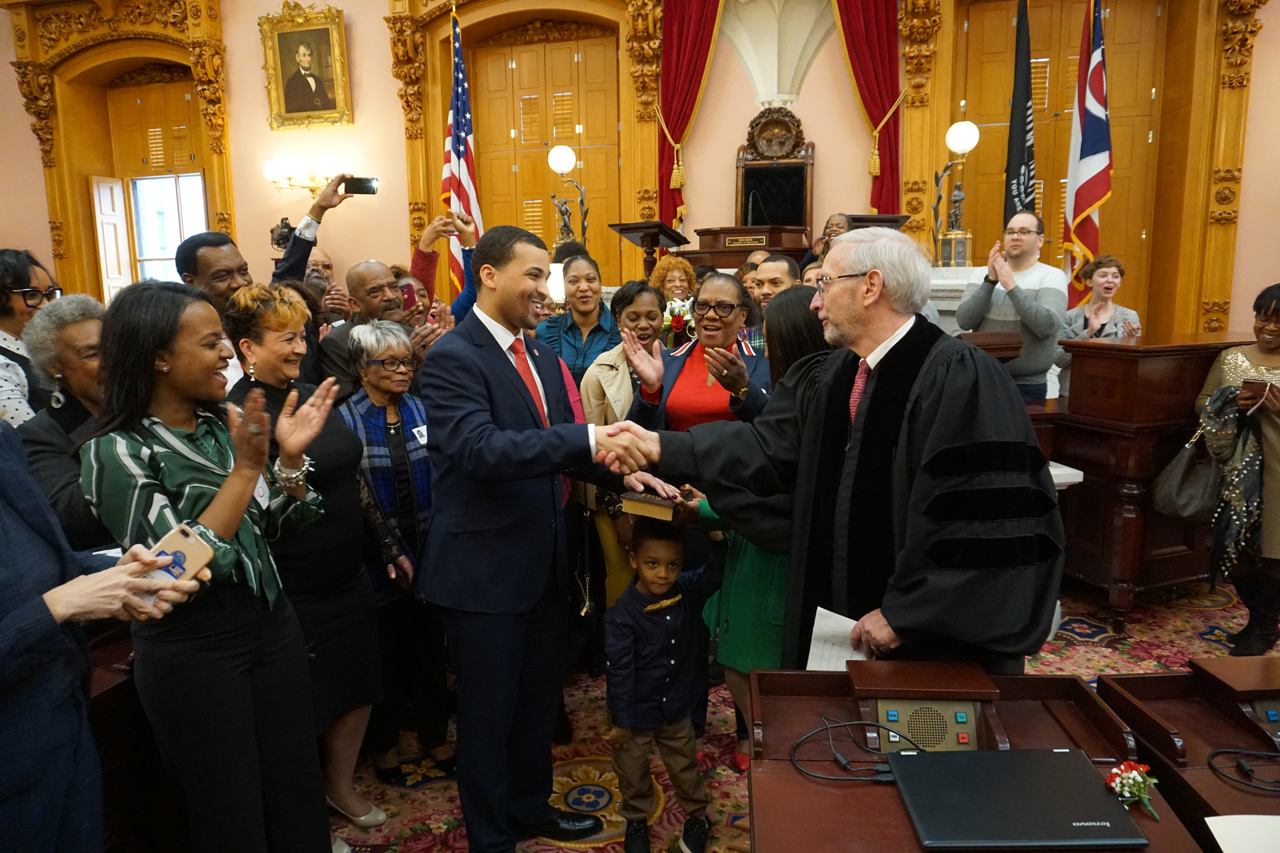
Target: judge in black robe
x,y
933,508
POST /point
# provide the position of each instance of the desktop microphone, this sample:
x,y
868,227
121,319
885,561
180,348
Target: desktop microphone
x,y
754,195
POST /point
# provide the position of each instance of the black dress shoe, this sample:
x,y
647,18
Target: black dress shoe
x,y
560,826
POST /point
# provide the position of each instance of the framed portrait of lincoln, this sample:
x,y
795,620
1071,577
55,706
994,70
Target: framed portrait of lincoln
x,y
305,52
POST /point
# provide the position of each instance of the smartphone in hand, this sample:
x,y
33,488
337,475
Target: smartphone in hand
x,y
188,552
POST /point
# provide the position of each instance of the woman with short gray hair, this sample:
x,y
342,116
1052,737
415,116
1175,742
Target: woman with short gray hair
x,y
392,426
62,341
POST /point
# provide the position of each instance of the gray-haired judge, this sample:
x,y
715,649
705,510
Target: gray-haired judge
x,y
62,340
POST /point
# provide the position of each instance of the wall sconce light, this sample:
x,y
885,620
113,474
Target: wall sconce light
x,y
562,161
954,247
291,174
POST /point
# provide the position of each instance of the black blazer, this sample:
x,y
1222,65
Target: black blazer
x,y
48,439
298,97
495,536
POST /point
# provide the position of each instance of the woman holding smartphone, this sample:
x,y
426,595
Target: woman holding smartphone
x,y
223,679
1239,408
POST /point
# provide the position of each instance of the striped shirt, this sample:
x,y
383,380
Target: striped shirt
x,y
145,481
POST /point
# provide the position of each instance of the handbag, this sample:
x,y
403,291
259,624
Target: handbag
x,y
1188,488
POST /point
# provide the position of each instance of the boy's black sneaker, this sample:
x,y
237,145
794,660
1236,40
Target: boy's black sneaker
x,y
693,839
637,840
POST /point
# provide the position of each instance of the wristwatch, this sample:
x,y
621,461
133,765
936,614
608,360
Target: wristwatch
x,y
742,395
989,280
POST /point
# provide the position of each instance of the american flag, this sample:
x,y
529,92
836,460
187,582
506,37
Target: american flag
x,y
458,183
1089,172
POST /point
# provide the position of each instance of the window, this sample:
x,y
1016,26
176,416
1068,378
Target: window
x,y
167,209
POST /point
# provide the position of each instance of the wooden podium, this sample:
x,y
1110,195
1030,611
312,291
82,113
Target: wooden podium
x,y
1132,406
651,235
727,248
791,811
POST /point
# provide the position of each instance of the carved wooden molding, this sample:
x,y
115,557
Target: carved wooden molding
x,y
915,223
775,134
1219,307
408,66
915,186
57,238
1238,36
918,23
1224,217
152,72
540,32
1224,195
1214,324
644,46
224,221
208,59
1228,176
647,199
35,82
417,220
55,27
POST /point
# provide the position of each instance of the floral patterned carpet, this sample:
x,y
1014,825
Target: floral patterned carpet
x,y
1167,629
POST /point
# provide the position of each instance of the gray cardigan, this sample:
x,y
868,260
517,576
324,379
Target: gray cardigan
x,y
1073,329
1037,317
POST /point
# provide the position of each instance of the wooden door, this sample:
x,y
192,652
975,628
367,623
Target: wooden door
x,y
111,227
1132,33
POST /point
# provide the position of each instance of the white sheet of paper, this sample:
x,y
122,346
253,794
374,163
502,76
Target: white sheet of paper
x,y
1246,833
830,647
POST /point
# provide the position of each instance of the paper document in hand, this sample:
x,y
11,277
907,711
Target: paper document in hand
x,y
830,647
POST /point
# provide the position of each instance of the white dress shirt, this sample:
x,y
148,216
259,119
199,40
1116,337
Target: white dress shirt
x,y
14,393
883,350
505,339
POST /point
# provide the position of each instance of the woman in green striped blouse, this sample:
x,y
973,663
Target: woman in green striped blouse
x,y
224,678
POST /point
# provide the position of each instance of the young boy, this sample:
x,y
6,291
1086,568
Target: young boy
x,y
653,678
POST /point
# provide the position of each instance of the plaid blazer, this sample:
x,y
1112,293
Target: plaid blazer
x,y
369,422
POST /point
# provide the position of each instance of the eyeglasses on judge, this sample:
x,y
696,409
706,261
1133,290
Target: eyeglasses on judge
x,y
824,283
33,296
722,309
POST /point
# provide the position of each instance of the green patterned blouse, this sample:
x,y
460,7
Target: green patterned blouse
x,y
146,481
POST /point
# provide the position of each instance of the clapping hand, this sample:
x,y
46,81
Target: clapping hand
x,y
727,368
1131,329
250,429
423,338
646,365
297,426
337,300
998,269
1095,317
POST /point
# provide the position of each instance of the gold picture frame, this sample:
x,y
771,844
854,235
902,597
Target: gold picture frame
x,y
301,94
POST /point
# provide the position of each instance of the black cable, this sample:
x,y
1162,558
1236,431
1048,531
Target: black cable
x,y
1271,786
882,774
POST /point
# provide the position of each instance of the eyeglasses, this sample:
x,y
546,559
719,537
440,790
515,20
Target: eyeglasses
x,y
392,365
722,309
824,283
1024,233
33,296
1267,319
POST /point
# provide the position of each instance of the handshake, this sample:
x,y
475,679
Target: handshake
x,y
626,448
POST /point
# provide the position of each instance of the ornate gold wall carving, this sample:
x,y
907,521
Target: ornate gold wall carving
x,y
1211,307
1228,176
1224,195
417,220
208,56
1238,35
1224,217
224,221
918,23
35,83
647,199
407,66
56,27
152,72
644,46
57,238
538,32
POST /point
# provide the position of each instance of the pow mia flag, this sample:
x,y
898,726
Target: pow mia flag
x,y
1020,165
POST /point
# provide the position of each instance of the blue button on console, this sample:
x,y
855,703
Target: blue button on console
x,y
891,716
1273,716
962,717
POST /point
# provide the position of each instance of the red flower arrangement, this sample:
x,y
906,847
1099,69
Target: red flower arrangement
x,y
677,323
1132,785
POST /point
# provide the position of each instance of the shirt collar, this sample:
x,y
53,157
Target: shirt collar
x,y
500,333
883,350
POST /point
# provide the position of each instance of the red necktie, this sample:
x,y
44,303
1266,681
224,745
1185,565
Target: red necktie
x,y
859,385
526,373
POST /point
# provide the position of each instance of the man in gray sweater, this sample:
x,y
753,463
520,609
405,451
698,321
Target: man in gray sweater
x,y
1017,293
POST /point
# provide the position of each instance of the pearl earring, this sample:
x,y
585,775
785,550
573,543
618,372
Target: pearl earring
x,y
251,374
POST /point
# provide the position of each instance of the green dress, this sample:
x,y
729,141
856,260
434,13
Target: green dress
x,y
748,611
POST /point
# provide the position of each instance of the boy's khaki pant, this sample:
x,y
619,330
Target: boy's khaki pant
x,y
676,746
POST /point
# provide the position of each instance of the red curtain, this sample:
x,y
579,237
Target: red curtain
x,y
870,33
688,32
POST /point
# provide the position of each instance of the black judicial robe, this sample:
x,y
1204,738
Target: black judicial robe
x,y
935,505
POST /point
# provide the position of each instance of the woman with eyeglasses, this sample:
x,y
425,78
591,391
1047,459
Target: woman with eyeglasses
x,y
25,285
392,426
1239,409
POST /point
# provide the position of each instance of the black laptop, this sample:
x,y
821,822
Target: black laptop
x,y
1011,800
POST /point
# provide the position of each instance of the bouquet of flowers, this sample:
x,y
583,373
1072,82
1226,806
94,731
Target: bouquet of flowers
x,y
676,322
1132,785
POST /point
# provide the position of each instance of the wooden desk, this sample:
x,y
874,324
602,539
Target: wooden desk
x,y
1180,718
1004,346
728,248
1131,408
790,811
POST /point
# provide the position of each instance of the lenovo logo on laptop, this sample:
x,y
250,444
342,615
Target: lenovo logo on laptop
x,y
1091,823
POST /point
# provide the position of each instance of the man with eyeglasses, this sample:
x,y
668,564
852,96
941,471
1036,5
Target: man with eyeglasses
x,y
900,471
1017,293
25,286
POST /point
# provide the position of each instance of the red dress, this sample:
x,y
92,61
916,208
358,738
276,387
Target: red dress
x,y
696,398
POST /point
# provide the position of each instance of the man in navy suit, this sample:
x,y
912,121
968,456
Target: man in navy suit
x,y
500,430
50,781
